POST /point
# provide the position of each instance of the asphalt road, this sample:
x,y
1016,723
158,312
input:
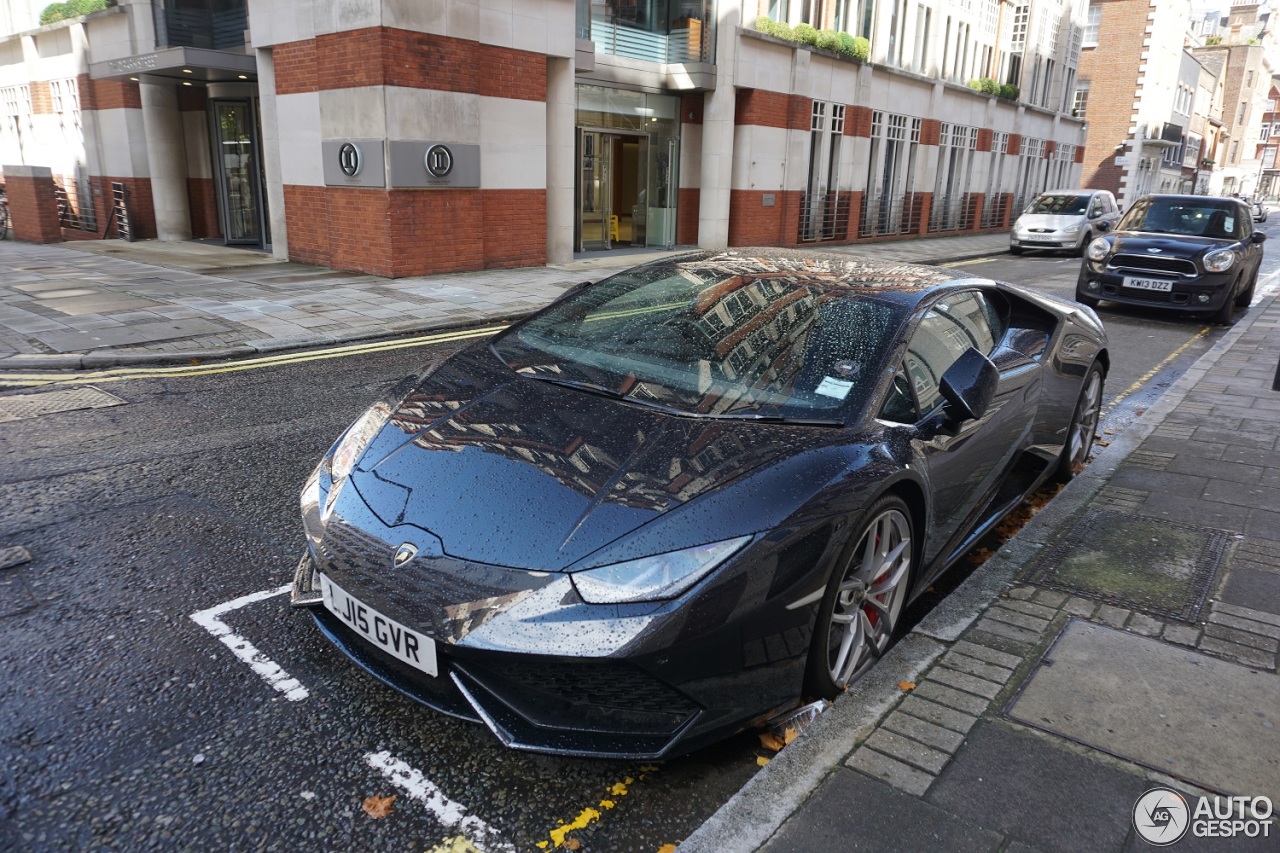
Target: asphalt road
x,y
125,723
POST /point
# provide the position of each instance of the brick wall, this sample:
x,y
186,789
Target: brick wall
x,y
689,199
398,233
772,109
41,97
33,209
1112,71
857,121
385,56
753,224
108,94
203,202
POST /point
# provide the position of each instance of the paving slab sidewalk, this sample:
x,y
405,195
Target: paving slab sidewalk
x,y
104,303
1047,699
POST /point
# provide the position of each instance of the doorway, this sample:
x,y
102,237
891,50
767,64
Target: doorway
x,y
238,175
612,188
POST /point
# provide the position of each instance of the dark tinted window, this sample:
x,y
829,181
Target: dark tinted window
x,y
1067,205
1209,218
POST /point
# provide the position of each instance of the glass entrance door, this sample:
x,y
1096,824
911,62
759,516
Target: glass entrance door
x,y
238,173
614,196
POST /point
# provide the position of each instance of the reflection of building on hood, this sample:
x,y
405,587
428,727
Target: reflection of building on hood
x,y
442,422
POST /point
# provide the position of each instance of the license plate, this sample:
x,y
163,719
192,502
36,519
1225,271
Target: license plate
x,y
1148,284
403,644
1041,238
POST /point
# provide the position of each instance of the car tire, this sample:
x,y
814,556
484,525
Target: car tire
x,y
855,624
1226,315
1084,425
1084,244
1015,250
1245,299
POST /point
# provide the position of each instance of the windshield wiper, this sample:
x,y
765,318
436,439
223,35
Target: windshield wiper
x,y
779,419
602,391
578,385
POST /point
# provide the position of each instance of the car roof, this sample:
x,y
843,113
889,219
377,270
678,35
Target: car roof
x,y
1077,191
836,270
1190,199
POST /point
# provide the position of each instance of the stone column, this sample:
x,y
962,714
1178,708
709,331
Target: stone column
x,y
561,121
271,153
720,107
166,160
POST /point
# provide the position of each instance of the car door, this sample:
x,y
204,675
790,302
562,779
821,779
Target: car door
x,y
965,462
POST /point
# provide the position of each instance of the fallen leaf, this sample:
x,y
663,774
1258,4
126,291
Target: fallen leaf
x,y
1140,412
1103,443
572,844
1109,431
789,735
770,741
378,807
906,686
761,761
667,848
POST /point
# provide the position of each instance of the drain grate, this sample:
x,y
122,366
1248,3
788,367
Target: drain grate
x,y
22,406
1162,568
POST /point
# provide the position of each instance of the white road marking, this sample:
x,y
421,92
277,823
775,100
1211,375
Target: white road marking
x,y
271,672
452,815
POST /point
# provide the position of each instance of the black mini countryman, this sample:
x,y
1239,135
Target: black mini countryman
x,y
1190,252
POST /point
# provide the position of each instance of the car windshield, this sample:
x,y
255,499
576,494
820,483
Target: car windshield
x,y
722,337
1064,205
1198,219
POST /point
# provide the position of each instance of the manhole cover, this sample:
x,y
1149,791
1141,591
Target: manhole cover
x,y
22,406
1158,567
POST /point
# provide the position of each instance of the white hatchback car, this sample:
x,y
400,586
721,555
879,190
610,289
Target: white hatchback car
x,y
1064,219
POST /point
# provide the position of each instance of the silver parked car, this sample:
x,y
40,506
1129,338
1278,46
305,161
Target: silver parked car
x,y
1064,219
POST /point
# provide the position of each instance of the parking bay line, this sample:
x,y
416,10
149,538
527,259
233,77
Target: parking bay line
x,y
453,816
270,671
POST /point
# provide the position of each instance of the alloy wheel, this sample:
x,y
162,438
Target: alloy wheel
x,y
870,596
1086,420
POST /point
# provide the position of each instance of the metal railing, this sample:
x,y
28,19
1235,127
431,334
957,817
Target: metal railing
x,y
620,38
887,215
956,212
993,212
824,218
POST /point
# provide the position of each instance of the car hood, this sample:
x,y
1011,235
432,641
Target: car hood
x,y
510,471
1170,245
1053,221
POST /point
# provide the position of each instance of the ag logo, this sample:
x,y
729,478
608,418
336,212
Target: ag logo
x,y
349,159
1161,816
439,161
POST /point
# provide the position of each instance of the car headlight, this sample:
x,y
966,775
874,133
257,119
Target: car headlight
x,y
655,578
1098,250
356,438
1071,229
1219,260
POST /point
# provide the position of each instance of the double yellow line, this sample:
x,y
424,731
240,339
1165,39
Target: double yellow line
x,y
121,374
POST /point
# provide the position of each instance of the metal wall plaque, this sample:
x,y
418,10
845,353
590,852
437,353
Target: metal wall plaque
x,y
354,163
434,164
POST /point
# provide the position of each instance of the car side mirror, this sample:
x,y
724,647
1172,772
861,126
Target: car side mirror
x,y
1104,225
969,386
1258,237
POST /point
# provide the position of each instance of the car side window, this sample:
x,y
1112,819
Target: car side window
x,y
900,404
1095,208
948,329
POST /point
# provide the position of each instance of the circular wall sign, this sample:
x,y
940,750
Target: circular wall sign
x,y
439,161
349,159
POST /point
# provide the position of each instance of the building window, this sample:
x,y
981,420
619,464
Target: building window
x,y
1191,156
1091,27
1264,133
1248,80
1081,100
1244,109
1235,151
1269,157
1271,105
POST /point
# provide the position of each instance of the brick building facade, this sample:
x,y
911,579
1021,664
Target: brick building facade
x,y
566,127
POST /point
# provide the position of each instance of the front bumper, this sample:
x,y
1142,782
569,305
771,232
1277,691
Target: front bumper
x,y
1053,240
1183,295
521,653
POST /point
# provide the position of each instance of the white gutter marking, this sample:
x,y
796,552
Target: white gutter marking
x,y
452,815
271,672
